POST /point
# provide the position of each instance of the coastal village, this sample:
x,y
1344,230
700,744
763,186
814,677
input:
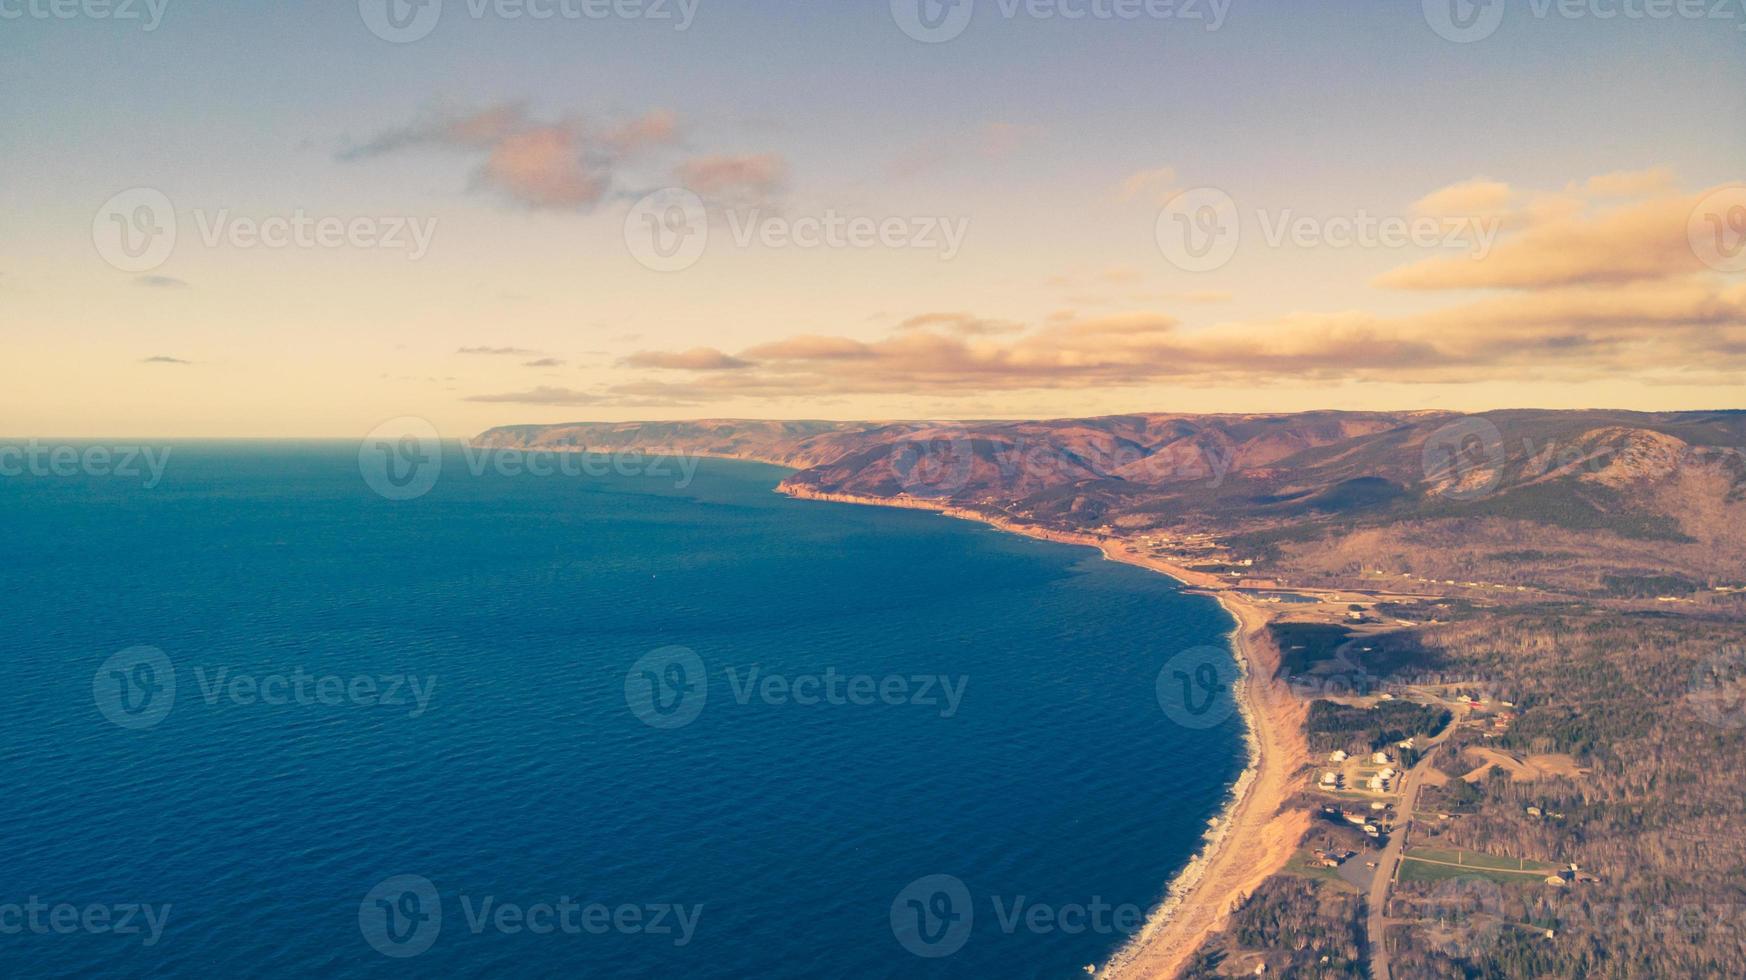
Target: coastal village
x,y
1377,834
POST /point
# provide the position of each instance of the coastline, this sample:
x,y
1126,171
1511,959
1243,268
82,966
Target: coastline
x,y
1253,837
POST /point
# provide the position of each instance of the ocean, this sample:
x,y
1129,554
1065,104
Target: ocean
x,y
262,720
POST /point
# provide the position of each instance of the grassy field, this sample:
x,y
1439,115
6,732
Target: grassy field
x,y
1477,860
1303,864
1429,865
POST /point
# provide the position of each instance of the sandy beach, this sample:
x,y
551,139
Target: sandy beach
x,y
1254,836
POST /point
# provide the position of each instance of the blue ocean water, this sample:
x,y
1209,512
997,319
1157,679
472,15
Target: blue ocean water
x,y
298,817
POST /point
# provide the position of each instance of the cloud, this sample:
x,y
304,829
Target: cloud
x,y
962,324
735,179
1156,186
162,359
160,282
658,127
1587,287
1629,183
545,168
1627,243
811,348
497,351
1471,198
477,131
542,395
561,165
1639,330
545,362
695,359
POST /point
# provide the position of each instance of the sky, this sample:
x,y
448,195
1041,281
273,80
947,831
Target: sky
x,y
301,220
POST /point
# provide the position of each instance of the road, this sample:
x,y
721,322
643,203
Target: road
x,y
1387,864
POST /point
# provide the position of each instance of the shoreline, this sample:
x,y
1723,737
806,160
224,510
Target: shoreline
x,y
1253,837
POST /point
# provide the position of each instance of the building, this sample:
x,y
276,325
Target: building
x,y
1338,755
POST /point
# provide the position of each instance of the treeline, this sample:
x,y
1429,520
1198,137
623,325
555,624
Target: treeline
x,y
1659,815
1332,725
1305,929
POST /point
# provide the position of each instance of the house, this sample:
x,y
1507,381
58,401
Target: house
x,y
1337,756
1330,779
1380,758
1408,744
